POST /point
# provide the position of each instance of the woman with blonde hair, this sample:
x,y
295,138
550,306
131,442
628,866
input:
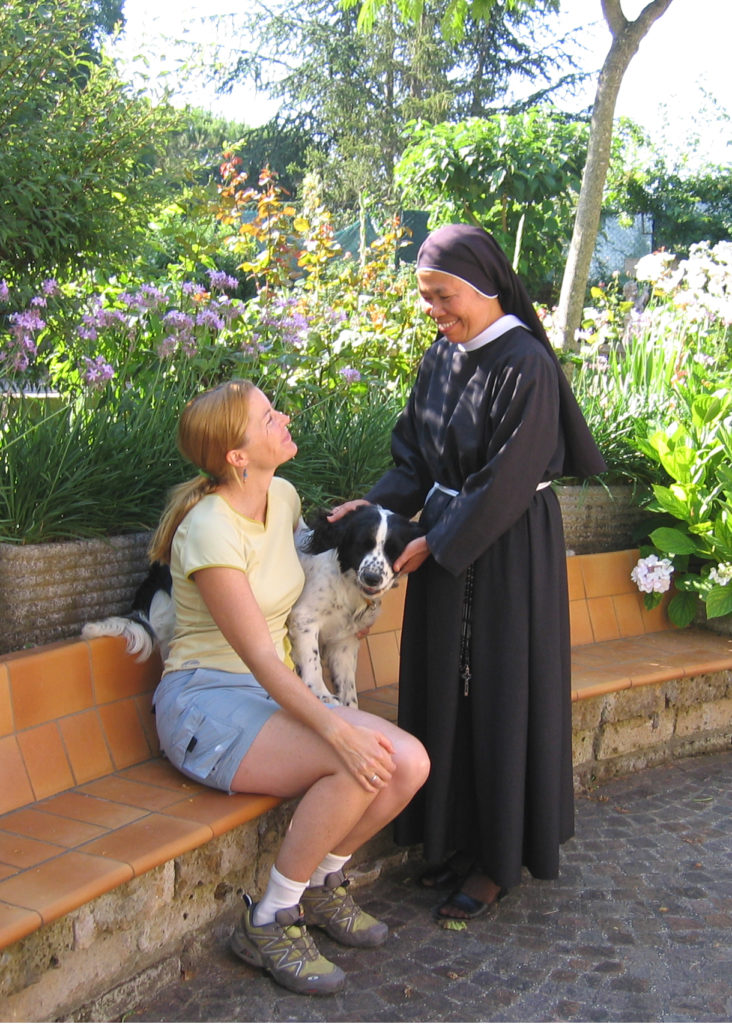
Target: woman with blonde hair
x,y
232,713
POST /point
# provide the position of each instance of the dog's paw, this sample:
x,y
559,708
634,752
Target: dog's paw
x,y
323,694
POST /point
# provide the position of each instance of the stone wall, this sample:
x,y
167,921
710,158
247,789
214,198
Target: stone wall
x,y
109,949
626,730
96,962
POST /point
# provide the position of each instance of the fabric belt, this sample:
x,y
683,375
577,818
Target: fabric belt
x,y
453,493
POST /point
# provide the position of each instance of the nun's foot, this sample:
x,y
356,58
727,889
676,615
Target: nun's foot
x,y
477,895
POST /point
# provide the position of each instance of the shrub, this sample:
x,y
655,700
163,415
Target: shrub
x,y
677,386
334,343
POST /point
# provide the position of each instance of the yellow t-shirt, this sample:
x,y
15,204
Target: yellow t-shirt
x,y
214,534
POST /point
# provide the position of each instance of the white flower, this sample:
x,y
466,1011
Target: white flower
x,y
721,574
654,266
652,575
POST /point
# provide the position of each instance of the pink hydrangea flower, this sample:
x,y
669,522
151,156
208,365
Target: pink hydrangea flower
x,y
652,575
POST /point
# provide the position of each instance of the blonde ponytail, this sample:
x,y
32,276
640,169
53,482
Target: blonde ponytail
x,y
212,424
182,499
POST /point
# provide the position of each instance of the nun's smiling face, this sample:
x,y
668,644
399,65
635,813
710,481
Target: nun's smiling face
x,y
459,311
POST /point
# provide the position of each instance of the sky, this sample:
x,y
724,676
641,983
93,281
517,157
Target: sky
x,y
684,56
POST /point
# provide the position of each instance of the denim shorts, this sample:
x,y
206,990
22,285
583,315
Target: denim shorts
x,y
207,719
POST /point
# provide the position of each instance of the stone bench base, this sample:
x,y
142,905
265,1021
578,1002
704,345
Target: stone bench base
x,y
110,861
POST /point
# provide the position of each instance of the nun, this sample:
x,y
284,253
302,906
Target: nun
x,y
485,650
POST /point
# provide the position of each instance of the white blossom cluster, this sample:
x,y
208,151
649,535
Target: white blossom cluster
x,y
652,575
721,574
700,285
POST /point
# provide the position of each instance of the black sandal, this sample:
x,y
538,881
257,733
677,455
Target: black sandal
x,y
469,907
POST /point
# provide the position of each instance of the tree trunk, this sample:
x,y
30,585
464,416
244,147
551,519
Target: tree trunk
x,y
626,38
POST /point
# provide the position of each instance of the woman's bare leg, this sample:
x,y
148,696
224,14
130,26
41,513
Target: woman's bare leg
x,y
412,769
335,814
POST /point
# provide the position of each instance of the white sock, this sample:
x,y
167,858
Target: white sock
x,y
281,893
330,863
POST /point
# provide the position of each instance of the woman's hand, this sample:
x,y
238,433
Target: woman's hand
x,y
348,506
413,555
366,753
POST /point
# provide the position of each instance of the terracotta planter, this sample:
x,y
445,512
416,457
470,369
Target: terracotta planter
x,y
48,591
599,519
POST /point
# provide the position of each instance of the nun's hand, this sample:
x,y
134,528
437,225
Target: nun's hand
x,y
413,555
348,506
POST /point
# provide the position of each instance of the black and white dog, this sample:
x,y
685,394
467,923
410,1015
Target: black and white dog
x,y
348,565
150,622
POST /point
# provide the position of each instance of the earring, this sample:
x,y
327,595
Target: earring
x,y
244,476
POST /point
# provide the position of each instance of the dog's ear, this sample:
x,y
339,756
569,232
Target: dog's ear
x,y
325,535
408,531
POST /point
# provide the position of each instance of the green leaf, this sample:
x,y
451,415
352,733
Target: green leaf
x,y
682,609
673,542
670,503
719,601
451,925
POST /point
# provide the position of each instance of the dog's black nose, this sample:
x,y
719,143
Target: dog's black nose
x,y
371,579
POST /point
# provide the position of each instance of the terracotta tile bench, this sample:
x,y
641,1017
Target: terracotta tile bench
x,y
643,691
616,641
86,803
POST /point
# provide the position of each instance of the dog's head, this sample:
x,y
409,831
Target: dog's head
x,y
368,540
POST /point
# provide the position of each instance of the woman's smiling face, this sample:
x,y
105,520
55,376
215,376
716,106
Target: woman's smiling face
x,y
268,442
459,311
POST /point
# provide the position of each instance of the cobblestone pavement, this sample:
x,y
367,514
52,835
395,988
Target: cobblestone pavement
x,y
637,928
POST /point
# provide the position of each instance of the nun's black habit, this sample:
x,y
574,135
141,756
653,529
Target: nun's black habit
x,y
492,424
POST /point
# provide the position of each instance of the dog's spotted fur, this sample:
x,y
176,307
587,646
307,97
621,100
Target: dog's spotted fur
x,y
349,565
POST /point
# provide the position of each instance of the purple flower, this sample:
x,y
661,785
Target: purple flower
x,y
219,279
350,375
97,372
167,346
209,318
28,320
193,289
189,344
148,297
229,310
50,287
177,320
110,318
4,291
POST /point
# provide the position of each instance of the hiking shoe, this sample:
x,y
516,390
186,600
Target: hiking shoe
x,y
285,949
330,906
